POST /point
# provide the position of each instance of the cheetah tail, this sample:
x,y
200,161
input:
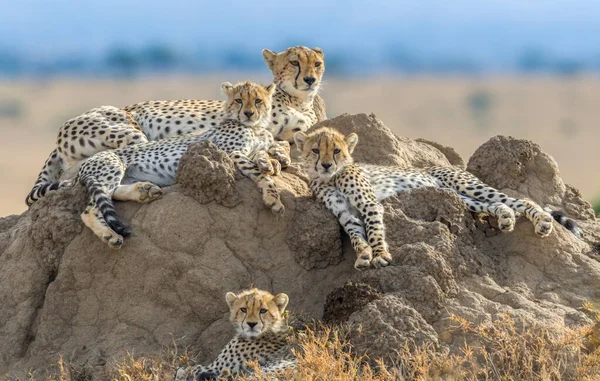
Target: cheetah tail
x,y
565,221
48,179
104,204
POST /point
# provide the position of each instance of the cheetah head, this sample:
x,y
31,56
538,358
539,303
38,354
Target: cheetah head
x,y
325,151
254,312
248,102
297,71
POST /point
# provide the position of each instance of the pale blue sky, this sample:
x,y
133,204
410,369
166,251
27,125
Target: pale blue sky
x,y
488,30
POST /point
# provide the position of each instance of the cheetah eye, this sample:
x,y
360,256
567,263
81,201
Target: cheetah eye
x,y
336,151
239,101
318,63
315,150
258,101
295,63
263,311
244,309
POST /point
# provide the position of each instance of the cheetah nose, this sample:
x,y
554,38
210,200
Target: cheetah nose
x,y
252,325
309,80
248,113
326,165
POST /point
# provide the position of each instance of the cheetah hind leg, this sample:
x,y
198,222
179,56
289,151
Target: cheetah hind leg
x,y
94,220
144,192
475,189
504,214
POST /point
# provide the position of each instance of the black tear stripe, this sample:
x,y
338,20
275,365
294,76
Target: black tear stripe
x,y
240,110
297,75
319,154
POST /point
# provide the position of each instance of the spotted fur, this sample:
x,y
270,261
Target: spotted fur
x,y
153,164
109,127
261,336
353,191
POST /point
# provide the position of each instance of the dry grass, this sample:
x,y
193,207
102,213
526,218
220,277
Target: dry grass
x,y
500,351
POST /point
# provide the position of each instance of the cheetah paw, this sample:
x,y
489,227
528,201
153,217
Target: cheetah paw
x,y
543,225
149,192
281,152
382,259
506,218
265,166
274,204
113,240
364,258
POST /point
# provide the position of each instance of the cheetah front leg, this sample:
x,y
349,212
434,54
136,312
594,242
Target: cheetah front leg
x,y
361,195
270,195
143,192
337,204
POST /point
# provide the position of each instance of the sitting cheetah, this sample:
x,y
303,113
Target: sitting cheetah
x,y
297,73
155,163
261,336
352,192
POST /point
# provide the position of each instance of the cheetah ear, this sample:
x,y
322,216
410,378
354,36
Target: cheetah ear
x,y
300,139
281,301
351,140
226,88
318,51
270,89
230,297
269,57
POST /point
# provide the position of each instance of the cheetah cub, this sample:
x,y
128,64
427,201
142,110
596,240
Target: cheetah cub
x,y
153,164
352,192
262,336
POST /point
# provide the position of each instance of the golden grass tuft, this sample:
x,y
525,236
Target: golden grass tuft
x,y
503,350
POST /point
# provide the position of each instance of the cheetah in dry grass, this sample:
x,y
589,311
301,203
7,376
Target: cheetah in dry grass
x,y
262,336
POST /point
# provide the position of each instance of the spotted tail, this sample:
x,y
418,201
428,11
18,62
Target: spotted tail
x,y
48,179
565,221
103,202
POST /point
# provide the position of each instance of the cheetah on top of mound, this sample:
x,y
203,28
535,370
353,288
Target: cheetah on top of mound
x,y
296,106
262,336
352,192
242,136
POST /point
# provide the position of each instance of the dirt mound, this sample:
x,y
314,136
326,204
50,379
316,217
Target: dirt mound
x,y
63,291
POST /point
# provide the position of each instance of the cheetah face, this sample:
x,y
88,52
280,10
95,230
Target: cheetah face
x,y
297,71
254,312
248,103
325,151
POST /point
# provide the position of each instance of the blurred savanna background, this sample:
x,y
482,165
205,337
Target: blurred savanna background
x,y
454,72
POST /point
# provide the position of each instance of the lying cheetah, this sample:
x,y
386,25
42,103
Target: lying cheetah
x,y
352,192
297,73
261,336
155,163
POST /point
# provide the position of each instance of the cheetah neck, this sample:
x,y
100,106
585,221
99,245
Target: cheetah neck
x,y
300,104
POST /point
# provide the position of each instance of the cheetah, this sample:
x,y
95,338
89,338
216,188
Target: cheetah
x,y
296,105
352,192
153,164
262,336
